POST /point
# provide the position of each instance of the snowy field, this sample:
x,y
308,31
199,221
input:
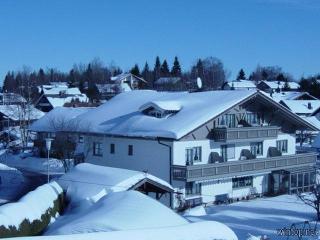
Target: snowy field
x,y
259,217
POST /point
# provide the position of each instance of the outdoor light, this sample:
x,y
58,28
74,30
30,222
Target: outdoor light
x,y
48,147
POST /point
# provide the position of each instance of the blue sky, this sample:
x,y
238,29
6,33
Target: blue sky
x,y
242,34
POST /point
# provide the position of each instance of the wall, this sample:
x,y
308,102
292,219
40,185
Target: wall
x,y
147,155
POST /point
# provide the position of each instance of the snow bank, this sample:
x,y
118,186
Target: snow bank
x,y
118,211
196,211
194,231
88,181
31,206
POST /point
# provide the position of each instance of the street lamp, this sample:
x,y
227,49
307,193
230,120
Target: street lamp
x,y
48,147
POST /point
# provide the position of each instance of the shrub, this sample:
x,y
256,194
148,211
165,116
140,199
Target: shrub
x,y
37,226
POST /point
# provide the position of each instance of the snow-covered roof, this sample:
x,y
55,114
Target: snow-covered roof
x,y
302,106
57,120
60,101
313,120
167,80
122,76
241,84
8,98
87,180
61,89
107,88
16,112
278,84
288,95
121,115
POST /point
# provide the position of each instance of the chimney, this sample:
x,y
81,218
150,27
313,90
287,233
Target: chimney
x,y
309,105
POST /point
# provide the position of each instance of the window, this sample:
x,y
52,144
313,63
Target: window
x,y
81,139
242,182
294,180
252,118
282,146
228,120
112,148
193,155
130,150
228,151
97,149
193,188
256,148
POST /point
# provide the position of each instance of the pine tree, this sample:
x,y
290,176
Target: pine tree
x,y
72,79
41,76
135,70
176,69
241,75
157,69
164,70
200,69
147,75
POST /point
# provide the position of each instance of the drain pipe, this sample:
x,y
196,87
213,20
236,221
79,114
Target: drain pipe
x,y
170,165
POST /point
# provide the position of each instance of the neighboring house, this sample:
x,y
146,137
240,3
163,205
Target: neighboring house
x,y
11,98
304,108
239,85
124,82
276,86
16,114
57,96
168,84
210,146
290,95
54,122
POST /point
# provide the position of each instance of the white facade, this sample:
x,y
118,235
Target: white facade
x,y
153,157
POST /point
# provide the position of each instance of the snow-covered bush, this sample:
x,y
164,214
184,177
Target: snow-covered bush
x,y
32,213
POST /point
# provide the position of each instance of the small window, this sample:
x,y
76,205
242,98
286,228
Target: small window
x,y
130,150
228,151
81,139
256,148
193,155
282,146
97,149
242,182
112,148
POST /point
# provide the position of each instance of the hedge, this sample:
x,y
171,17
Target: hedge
x,y
36,227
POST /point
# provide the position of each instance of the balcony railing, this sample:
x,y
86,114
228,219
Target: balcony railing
x,y
243,133
242,167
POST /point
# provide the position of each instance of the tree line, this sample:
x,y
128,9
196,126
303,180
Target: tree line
x,y
211,70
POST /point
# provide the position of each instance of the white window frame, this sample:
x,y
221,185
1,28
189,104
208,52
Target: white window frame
x,y
97,149
254,146
282,144
193,155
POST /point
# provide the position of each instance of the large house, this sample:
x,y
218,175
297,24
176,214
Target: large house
x,y
57,95
209,150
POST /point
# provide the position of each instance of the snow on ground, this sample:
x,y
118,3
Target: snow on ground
x,y
133,215
261,216
12,183
116,211
31,164
195,231
31,206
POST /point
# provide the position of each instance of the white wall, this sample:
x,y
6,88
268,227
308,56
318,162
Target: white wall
x,y
148,155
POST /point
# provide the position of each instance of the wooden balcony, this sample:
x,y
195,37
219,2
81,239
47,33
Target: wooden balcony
x,y
242,167
244,133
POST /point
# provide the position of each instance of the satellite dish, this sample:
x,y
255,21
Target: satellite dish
x,y
199,83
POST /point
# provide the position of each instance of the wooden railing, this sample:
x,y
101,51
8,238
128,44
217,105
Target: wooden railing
x,y
242,167
243,133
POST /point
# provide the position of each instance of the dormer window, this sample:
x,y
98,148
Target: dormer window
x,y
160,109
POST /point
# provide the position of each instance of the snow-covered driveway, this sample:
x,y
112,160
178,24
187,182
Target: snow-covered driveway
x,y
260,216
